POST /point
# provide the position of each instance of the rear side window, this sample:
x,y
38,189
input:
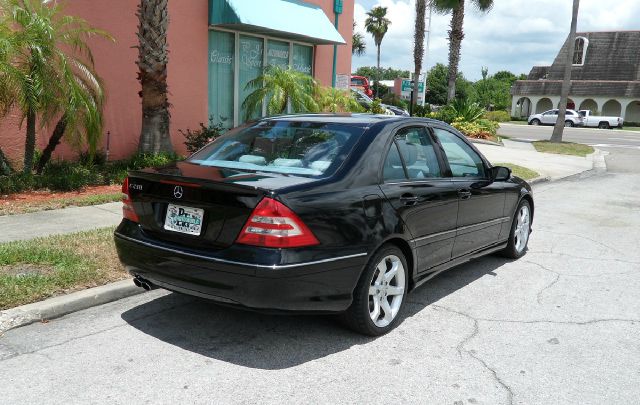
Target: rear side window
x,y
419,159
357,82
287,147
463,160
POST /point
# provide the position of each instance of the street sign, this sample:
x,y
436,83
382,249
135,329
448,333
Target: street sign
x,y
337,6
407,85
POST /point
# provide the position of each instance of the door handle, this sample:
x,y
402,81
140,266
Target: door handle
x,y
408,199
464,194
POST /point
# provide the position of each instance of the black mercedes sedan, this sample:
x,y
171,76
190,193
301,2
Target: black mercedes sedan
x,y
340,214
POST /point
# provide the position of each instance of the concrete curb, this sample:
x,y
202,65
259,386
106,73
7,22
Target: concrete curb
x,y
538,180
58,306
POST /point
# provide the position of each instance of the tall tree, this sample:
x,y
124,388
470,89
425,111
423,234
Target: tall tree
x,y
377,24
358,47
153,22
418,47
46,70
456,33
558,129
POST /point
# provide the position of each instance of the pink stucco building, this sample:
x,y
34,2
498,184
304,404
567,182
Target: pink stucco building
x,y
215,47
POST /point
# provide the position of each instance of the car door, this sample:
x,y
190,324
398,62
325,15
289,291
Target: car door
x,y
550,117
426,201
481,202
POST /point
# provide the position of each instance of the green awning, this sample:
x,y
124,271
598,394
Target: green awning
x,y
290,19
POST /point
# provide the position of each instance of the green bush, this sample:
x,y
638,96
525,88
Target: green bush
x,y
68,176
497,116
16,183
376,107
196,140
421,110
479,129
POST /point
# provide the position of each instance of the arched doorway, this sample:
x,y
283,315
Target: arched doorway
x,y
612,108
543,105
632,113
523,107
589,104
571,105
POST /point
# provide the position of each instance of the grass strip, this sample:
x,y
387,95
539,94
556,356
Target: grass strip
x,y
520,171
563,148
40,268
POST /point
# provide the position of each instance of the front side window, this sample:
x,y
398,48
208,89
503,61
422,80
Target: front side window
x,y
287,147
463,160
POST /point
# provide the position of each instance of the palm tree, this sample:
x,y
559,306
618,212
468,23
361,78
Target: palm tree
x,y
558,129
377,24
456,34
281,87
358,47
46,71
153,22
418,47
334,100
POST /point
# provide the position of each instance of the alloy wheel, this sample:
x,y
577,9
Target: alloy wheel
x,y
521,234
386,291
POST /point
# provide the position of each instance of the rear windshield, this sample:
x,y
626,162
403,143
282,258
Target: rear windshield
x,y
357,82
287,147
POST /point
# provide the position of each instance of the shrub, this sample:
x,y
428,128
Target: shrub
x,y
464,109
336,100
99,158
421,110
479,129
196,140
497,116
68,176
16,183
376,107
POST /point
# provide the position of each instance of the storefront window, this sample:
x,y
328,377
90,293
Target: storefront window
x,y
221,74
302,58
250,68
228,81
278,53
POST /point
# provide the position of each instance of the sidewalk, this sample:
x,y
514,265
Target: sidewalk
x,y
53,222
549,165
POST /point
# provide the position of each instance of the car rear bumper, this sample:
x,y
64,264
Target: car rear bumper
x,y
314,286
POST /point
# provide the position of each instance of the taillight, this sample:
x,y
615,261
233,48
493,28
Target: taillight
x,y
127,205
272,224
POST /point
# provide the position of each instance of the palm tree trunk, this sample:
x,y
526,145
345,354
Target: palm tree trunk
x,y
54,141
418,47
152,62
30,142
558,129
456,35
377,86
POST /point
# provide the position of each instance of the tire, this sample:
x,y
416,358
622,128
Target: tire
x,y
568,123
518,241
362,312
603,125
535,121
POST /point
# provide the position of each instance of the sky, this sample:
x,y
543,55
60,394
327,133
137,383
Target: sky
x,y
515,35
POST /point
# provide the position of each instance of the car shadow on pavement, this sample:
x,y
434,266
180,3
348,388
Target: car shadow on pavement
x,y
272,342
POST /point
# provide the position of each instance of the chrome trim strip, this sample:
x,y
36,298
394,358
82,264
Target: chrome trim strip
x,y
491,222
213,259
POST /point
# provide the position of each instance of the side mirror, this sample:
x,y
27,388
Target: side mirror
x,y
500,173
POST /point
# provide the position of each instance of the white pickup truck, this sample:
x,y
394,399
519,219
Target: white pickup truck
x,y
590,120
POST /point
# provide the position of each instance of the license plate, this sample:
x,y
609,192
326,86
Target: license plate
x,y
184,219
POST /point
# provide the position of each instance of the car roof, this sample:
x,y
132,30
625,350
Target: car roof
x,y
350,118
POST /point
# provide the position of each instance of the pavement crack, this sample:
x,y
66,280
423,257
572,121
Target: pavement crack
x,y
597,242
551,252
473,354
548,286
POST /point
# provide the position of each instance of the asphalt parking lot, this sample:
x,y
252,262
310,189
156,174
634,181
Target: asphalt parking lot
x,y
559,326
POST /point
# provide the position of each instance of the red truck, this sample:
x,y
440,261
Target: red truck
x,y
361,83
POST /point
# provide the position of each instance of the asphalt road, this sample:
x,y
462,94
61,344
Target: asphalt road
x,y
559,326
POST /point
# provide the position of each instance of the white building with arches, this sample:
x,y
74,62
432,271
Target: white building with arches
x,y
605,78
